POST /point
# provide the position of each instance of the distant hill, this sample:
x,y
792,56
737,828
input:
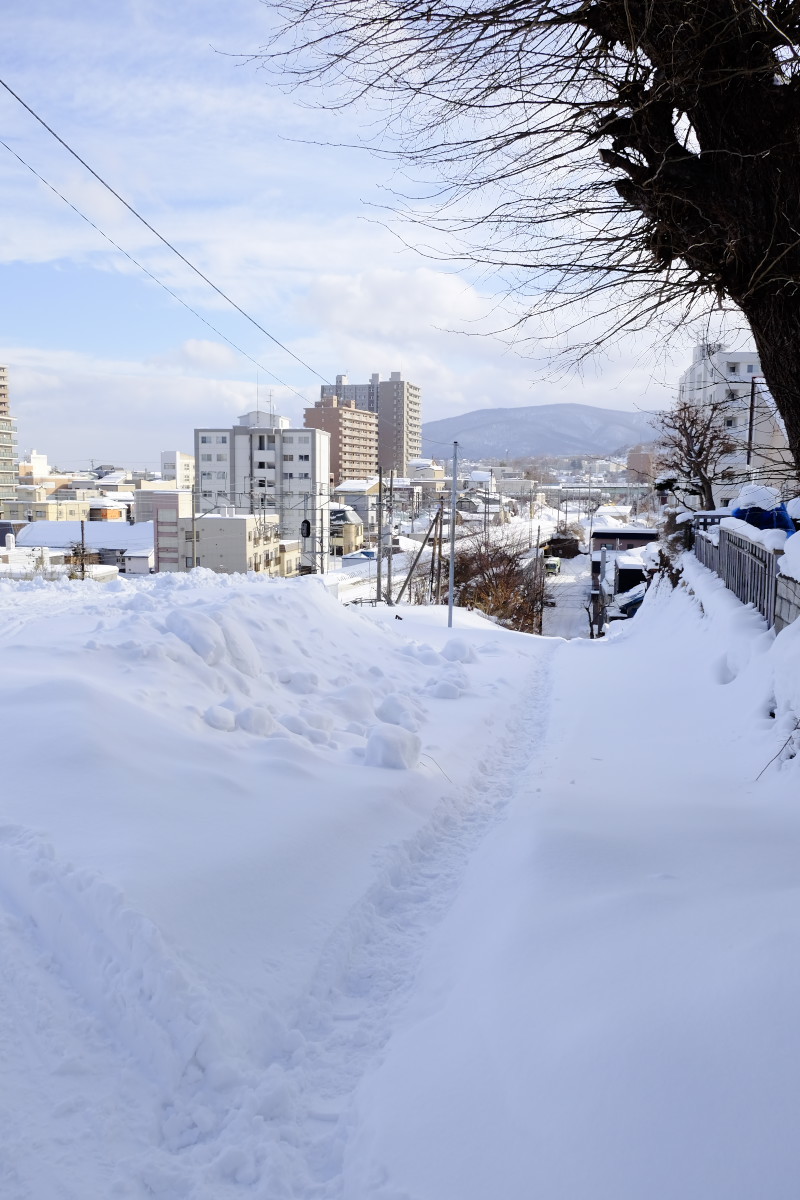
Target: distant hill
x,y
539,429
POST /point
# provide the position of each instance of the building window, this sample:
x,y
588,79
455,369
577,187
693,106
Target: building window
x,y
750,368
730,422
207,495
304,440
288,458
261,466
733,368
270,440
204,439
222,458
205,458
288,441
222,439
262,483
189,562
303,457
261,445
222,475
288,475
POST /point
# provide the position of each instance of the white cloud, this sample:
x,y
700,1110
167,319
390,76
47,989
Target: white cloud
x,y
199,142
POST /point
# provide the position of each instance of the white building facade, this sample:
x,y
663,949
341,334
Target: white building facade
x,y
178,466
733,379
264,466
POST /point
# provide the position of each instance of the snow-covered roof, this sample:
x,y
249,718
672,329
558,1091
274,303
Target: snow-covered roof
x,y
630,561
357,485
623,531
99,535
345,516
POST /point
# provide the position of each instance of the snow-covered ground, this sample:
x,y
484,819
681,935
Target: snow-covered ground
x,y
300,901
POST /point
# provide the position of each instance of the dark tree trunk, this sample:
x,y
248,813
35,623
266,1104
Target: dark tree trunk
x,y
775,323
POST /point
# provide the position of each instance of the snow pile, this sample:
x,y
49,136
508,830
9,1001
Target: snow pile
x,y
770,539
789,564
204,777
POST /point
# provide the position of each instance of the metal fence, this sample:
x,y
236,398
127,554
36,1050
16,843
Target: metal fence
x,y
748,569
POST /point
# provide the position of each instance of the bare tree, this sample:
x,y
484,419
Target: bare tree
x,y
694,451
629,156
495,577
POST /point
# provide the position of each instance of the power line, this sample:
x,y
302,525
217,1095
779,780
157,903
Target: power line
x,y
160,236
149,273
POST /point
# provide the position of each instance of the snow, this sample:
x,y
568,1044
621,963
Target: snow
x,y
789,562
770,539
98,535
304,902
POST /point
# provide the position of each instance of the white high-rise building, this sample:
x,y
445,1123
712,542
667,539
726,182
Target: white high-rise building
x,y
733,379
398,405
8,447
178,466
264,465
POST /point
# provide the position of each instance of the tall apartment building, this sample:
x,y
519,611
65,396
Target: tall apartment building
x,y
262,465
8,447
733,379
354,436
178,466
398,405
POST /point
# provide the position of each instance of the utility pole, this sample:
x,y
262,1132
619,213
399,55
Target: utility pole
x,y
439,563
379,572
389,600
83,549
751,420
452,574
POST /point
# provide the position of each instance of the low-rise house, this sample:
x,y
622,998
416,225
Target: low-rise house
x,y
362,495
115,543
347,530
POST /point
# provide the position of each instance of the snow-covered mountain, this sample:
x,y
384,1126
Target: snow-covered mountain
x,y
539,429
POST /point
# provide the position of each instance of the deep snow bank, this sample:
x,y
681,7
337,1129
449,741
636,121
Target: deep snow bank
x,y
204,777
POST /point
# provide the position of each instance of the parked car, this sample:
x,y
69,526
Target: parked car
x,y
552,565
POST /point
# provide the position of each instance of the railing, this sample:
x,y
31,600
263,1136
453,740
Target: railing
x,y
747,568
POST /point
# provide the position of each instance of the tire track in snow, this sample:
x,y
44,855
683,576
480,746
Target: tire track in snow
x,y
367,973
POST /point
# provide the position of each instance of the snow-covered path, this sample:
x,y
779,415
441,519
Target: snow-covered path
x,y
570,590
608,1009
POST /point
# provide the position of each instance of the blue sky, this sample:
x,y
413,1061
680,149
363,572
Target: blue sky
x,y
104,365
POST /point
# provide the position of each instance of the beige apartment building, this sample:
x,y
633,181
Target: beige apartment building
x,y
354,436
42,506
640,465
227,543
398,406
